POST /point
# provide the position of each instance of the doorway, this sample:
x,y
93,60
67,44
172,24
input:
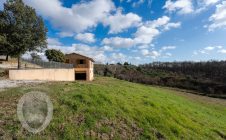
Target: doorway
x,y
80,76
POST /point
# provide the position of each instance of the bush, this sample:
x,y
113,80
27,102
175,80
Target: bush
x,y
55,55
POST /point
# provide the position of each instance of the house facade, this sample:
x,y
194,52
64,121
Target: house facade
x,y
83,66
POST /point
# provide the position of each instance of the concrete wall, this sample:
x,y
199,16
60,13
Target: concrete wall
x,y
88,71
74,59
43,74
85,68
91,76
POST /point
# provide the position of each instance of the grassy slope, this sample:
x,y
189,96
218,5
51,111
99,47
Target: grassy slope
x,y
110,108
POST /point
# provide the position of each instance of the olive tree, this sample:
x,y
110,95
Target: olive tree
x,y
21,29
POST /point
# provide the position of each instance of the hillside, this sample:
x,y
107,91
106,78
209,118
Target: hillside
x,y
108,108
207,77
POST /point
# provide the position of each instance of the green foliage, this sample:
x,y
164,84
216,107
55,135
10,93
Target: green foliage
x,y
119,110
21,30
35,56
55,55
126,63
119,63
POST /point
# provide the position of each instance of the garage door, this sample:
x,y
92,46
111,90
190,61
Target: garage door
x,y
80,76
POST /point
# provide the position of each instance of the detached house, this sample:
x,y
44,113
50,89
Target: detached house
x,y
83,66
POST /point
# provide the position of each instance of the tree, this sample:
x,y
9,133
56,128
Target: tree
x,y
3,44
126,63
21,30
55,55
35,56
119,63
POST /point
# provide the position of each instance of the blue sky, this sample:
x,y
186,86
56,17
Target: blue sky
x,y
136,31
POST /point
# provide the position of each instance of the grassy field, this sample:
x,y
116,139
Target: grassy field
x,y
108,108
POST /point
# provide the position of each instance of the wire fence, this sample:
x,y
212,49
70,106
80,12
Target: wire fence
x,y
40,64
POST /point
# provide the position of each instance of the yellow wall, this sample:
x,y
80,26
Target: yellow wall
x,y
88,71
43,74
73,59
86,68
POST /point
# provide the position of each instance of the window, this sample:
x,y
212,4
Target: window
x,y
82,61
67,60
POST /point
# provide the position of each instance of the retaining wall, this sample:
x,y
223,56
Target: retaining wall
x,y
43,74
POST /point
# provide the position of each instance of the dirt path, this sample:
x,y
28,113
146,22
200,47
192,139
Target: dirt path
x,y
5,83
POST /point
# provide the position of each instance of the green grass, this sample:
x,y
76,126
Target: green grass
x,y
108,108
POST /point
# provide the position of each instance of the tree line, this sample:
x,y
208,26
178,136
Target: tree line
x,y
207,78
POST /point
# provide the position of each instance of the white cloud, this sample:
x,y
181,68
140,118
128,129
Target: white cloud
x,y
168,54
153,54
84,16
119,22
149,30
137,58
209,49
145,46
160,53
78,18
209,2
92,51
98,54
172,25
195,52
64,49
203,5
188,6
53,41
168,48
138,3
107,48
158,22
143,36
145,52
222,51
65,34
86,37
179,6
119,42
117,57
203,52
95,52
218,19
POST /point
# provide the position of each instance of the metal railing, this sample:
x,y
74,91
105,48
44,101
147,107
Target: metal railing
x,y
82,66
40,64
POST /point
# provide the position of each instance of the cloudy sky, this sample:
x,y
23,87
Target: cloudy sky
x,y
136,31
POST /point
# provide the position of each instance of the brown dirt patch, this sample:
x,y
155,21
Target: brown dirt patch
x,y
115,129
